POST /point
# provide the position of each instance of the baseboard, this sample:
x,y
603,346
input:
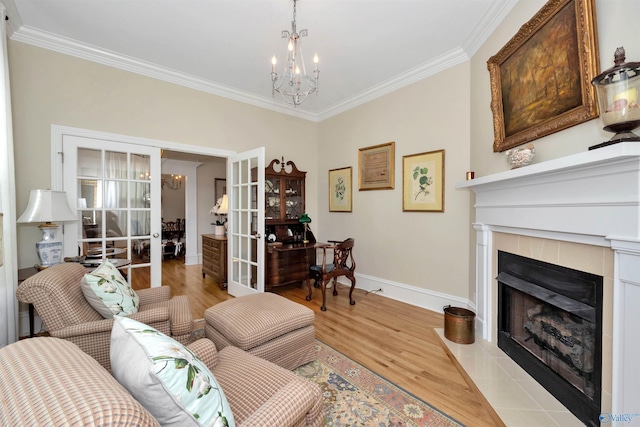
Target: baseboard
x,y
419,297
192,259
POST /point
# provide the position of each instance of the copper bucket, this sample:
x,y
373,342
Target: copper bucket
x,y
459,325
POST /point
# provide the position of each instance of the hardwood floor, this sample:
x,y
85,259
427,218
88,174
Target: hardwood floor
x,y
393,339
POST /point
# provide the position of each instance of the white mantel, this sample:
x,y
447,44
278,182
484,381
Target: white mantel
x,y
589,198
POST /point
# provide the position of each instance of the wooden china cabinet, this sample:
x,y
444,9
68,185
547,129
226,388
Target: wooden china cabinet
x,y
288,257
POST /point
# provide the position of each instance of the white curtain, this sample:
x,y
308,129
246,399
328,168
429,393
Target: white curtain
x,y
9,260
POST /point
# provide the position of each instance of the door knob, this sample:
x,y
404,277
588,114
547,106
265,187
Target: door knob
x,y
156,235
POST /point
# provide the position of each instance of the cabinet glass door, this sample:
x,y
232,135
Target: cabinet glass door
x,y
294,196
272,194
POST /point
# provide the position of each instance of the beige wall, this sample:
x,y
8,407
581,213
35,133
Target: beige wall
x,y
617,26
173,201
448,111
425,250
51,88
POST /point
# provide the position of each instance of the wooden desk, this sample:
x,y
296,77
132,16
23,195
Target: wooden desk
x,y
288,263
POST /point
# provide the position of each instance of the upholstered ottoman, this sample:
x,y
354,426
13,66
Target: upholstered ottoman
x,y
266,325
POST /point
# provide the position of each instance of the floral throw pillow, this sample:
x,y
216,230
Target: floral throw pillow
x,y
166,377
108,292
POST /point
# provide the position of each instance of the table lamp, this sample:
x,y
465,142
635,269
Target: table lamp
x,y
47,206
304,219
220,208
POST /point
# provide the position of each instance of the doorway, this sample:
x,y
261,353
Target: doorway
x,y
192,201
58,180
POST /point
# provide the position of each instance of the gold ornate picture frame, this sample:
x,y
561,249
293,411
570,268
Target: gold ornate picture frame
x,y
541,79
340,190
376,167
423,182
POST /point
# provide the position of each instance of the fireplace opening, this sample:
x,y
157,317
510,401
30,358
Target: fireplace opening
x,y
550,323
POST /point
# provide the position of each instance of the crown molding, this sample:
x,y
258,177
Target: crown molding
x,y
88,52
14,21
487,25
447,60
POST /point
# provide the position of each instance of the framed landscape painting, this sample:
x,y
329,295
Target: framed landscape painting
x,y
541,79
423,182
340,190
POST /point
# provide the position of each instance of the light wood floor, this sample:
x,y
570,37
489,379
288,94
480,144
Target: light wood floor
x,y
393,339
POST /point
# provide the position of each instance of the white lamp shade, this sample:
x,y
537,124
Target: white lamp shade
x,y
224,205
48,206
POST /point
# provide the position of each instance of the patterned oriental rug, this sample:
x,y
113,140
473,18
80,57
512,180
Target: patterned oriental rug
x,y
356,396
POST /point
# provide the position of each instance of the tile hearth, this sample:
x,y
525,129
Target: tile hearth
x,y
517,398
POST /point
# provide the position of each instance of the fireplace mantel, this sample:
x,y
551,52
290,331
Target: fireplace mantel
x,y
595,194
589,198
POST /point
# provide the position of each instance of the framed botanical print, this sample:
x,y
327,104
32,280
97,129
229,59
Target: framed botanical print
x,y
340,190
423,182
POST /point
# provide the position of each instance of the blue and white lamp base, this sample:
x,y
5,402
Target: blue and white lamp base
x,y
49,248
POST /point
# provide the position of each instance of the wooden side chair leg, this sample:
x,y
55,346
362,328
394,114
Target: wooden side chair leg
x,y
308,298
353,285
323,307
335,286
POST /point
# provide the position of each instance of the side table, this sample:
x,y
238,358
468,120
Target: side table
x,y
24,274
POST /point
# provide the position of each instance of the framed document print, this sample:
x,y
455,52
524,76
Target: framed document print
x,y
340,190
423,182
376,167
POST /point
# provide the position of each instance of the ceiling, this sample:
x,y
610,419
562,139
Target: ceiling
x,y
367,48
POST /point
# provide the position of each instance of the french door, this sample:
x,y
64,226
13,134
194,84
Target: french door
x,y
115,187
245,188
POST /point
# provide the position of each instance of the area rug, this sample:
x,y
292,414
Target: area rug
x,y
356,396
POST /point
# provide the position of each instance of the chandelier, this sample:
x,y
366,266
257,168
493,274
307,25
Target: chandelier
x,y
175,183
294,84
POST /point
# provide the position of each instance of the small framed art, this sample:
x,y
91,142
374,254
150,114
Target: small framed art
x,y
220,187
340,190
376,167
423,182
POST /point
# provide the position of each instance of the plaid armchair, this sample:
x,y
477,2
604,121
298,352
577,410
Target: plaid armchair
x,y
57,296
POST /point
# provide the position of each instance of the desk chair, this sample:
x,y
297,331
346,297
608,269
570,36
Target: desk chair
x,y
343,265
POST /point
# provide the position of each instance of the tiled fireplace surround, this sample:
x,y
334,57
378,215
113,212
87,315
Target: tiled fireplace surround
x,y
582,212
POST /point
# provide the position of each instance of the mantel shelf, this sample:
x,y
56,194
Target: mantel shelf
x,y
610,154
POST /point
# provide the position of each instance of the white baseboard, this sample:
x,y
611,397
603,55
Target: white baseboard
x,y
420,297
192,259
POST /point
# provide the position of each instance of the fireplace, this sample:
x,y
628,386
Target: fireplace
x,y
585,200
550,323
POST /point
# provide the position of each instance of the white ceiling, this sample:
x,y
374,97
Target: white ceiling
x,y
366,47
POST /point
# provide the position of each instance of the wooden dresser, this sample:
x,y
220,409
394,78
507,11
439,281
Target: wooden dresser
x,y
214,258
